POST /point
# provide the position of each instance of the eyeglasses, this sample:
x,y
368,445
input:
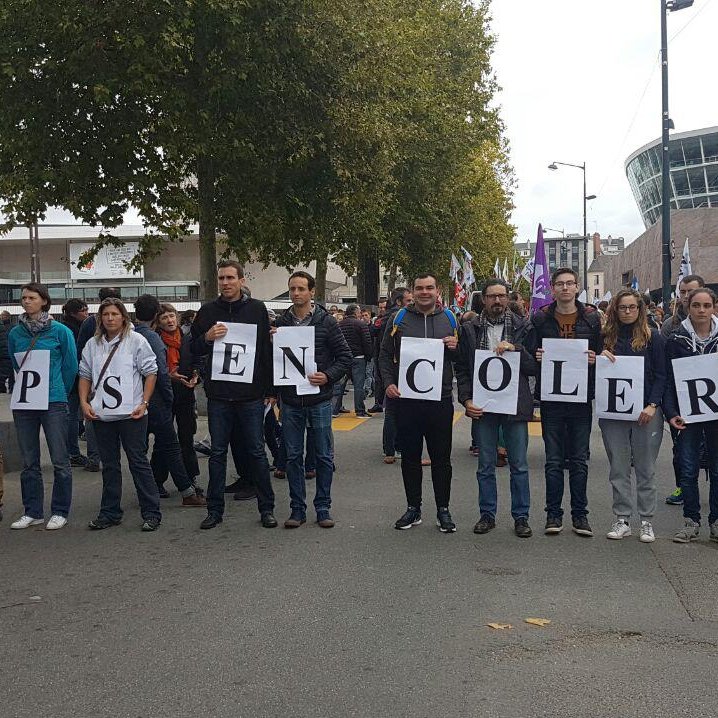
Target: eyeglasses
x,y
625,308
561,285
497,296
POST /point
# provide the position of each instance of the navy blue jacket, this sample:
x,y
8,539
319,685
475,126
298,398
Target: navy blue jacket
x,y
162,396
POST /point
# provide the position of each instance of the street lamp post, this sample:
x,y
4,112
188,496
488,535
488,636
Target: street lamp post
x,y
666,7
582,167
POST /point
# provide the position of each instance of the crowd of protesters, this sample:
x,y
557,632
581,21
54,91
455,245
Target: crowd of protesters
x,y
168,356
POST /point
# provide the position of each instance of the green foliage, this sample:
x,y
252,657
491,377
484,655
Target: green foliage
x,y
298,128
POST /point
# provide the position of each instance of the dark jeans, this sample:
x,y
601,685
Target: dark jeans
x,y
273,435
27,426
379,389
389,430
566,437
73,427
166,452
93,454
688,454
295,421
419,420
184,415
223,416
358,376
132,435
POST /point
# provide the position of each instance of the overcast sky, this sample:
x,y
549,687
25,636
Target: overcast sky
x,y
573,74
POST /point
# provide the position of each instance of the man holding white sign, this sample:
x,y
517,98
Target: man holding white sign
x,y
566,401
630,382
691,407
492,374
425,375
232,332
310,356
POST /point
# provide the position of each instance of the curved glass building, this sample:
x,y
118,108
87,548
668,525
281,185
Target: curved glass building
x,y
694,173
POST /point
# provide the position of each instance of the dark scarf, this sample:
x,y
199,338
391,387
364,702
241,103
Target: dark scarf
x,y
482,322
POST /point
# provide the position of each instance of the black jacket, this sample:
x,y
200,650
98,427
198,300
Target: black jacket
x,y
5,363
414,324
468,344
162,396
545,326
356,333
247,311
679,346
331,353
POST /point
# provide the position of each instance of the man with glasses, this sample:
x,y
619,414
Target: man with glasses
x,y
498,329
670,326
566,426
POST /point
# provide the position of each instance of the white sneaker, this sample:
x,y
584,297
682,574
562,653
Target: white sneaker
x,y
646,535
619,530
56,522
25,522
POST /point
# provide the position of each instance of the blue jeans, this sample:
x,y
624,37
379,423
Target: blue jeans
x,y
222,416
516,438
93,453
295,420
132,435
688,454
358,377
27,426
566,437
73,426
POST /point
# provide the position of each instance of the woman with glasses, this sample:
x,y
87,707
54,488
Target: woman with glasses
x,y
627,333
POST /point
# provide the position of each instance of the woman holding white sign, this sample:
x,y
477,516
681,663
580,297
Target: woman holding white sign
x,y
627,334
44,357
691,407
118,372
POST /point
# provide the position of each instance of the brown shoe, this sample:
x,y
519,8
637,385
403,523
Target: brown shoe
x,y
325,520
193,500
501,456
426,462
279,474
310,474
294,521
389,459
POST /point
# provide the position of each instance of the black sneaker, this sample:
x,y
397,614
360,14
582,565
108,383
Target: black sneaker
x,y
232,488
522,528
245,494
363,414
151,524
554,525
91,466
211,521
376,409
164,494
411,517
201,448
444,522
484,524
581,526
102,522
268,520
78,460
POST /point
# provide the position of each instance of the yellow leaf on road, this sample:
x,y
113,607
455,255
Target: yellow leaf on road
x,y
537,621
499,626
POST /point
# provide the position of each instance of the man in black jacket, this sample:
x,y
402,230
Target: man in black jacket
x,y
231,402
356,333
566,427
300,412
498,329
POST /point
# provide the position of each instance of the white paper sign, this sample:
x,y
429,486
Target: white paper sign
x,y
421,366
306,388
32,383
696,387
233,355
496,381
564,370
293,355
619,388
115,393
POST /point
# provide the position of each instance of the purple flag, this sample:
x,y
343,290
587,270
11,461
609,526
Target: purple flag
x,y
541,283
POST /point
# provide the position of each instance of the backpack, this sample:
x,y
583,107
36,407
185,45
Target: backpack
x,y
399,318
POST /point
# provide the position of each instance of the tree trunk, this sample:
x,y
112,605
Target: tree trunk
x,y
207,230
367,277
321,280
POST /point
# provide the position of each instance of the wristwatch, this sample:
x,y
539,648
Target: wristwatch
x,y
653,404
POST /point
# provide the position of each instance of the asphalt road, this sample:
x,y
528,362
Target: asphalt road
x,y
359,620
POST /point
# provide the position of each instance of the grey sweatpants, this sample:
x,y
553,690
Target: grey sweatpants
x,y
626,440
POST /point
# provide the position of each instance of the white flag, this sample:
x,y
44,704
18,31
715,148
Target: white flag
x,y
607,297
582,297
685,269
505,271
454,267
528,271
497,268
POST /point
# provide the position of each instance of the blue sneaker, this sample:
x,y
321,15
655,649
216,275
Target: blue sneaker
x,y
411,517
676,498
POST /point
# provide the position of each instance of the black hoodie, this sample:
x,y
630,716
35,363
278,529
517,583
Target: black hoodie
x,y
244,311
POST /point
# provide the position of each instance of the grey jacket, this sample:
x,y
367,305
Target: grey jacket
x,y
415,324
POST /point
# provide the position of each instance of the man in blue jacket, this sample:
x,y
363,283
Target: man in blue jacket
x,y
333,359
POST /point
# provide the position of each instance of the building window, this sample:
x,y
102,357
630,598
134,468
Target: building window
x,y
595,279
